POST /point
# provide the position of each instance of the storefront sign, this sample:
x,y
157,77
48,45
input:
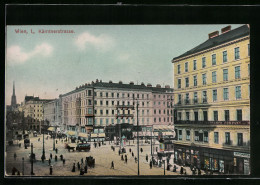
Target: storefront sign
x,y
239,154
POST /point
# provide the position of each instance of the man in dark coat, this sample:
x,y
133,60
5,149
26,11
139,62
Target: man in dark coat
x,y
51,155
56,158
73,168
146,157
78,166
125,158
56,150
151,164
112,164
51,169
49,162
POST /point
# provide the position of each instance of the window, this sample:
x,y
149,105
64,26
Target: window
x,y
179,98
203,62
204,96
215,115
237,53
107,121
89,110
204,79
214,77
187,116
101,112
239,115
106,102
89,102
225,94
194,64
205,115
101,94
179,69
238,92
206,137
239,139
112,102
224,56
214,59
227,138
154,111
112,121
117,95
179,115
196,116
106,94
225,74
226,112
89,92
187,99
216,137
113,112
187,135
112,94
195,80
106,111
237,72
186,67
195,97
215,95
187,82
196,134
180,134
101,102
179,83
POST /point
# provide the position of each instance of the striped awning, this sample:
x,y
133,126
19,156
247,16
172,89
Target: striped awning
x,y
163,128
83,135
51,129
71,133
98,135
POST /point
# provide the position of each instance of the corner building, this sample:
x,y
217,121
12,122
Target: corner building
x,y
212,103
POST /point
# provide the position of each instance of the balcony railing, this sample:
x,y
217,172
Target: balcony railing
x,y
192,101
214,122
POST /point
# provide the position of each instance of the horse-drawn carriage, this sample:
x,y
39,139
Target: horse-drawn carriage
x,y
67,146
91,162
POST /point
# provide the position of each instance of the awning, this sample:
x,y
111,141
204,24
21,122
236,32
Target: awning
x,y
71,133
98,135
163,128
51,129
83,135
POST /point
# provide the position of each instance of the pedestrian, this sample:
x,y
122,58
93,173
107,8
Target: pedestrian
x,y
122,157
62,140
135,159
49,162
14,170
15,156
78,166
130,150
146,157
18,172
56,141
81,160
19,145
39,139
51,169
174,168
51,155
56,158
73,168
168,167
125,158
63,161
132,154
151,164
42,158
181,171
199,172
99,144
112,165
61,157
141,150
86,169
119,152
56,150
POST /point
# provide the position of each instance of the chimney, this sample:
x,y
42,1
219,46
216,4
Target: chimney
x,y
149,85
131,83
158,86
100,81
96,80
142,83
226,29
120,82
110,81
167,86
213,34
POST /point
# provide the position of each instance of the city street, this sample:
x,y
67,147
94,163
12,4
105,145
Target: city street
x,y
103,156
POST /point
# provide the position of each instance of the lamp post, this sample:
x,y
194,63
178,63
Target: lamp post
x,y
23,166
164,158
43,149
137,104
53,141
32,159
151,141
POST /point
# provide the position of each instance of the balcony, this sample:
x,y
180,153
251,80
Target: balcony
x,y
214,122
125,107
192,102
124,116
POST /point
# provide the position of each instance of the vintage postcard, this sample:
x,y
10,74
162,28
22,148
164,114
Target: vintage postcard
x,y
127,100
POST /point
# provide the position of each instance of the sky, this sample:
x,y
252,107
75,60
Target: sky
x,y
49,64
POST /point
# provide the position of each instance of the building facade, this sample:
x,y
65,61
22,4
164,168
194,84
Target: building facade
x,y
95,104
33,112
212,103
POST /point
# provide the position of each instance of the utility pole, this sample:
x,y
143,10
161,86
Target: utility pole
x,y
32,159
137,104
151,141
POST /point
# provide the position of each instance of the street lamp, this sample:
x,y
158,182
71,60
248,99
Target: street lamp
x,y
32,159
23,166
43,149
164,158
137,104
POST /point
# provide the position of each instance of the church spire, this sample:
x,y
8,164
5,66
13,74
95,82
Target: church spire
x,y
13,100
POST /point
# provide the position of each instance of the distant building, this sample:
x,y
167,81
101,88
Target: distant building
x,y
33,112
212,103
13,99
95,104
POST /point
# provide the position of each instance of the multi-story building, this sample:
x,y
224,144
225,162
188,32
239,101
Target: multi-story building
x,y
52,114
212,103
95,104
33,112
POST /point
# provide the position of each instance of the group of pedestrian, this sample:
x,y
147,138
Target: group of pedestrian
x,y
81,167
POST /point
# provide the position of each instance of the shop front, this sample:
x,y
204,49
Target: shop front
x,y
241,163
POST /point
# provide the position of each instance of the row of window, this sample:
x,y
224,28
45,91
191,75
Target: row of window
x,y
214,77
215,115
204,99
213,60
203,137
124,95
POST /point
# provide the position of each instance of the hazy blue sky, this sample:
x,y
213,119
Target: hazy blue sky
x,y
49,64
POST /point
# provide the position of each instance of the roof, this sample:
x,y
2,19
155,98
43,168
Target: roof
x,y
218,40
111,85
32,98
